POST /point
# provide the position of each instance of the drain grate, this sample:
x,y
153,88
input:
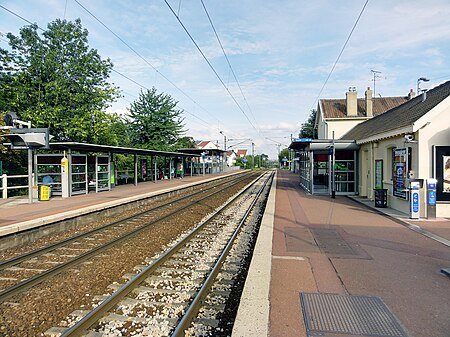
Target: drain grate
x,y
345,314
331,242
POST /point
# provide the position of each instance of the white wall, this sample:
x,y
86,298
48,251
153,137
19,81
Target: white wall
x,y
340,127
434,129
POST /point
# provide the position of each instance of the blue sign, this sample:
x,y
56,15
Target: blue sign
x,y
432,198
244,160
415,202
302,140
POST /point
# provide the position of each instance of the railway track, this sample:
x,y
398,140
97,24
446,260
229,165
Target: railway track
x,y
22,272
183,290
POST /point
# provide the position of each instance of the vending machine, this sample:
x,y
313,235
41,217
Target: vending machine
x,y
414,200
431,198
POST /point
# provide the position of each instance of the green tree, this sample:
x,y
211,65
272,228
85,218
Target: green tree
x,y
308,129
185,142
284,154
56,81
155,122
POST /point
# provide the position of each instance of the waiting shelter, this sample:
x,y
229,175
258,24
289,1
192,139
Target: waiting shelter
x,y
91,167
326,166
207,161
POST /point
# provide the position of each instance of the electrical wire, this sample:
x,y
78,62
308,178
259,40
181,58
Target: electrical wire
x,y
209,63
144,59
20,17
340,54
112,69
229,64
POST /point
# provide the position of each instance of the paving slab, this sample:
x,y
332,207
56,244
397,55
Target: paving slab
x,y
346,247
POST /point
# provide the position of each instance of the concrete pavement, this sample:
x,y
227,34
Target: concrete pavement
x,y
340,246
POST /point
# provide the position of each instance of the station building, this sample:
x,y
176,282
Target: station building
x,y
334,118
408,142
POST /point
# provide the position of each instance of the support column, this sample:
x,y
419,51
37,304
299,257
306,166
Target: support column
x,y
30,176
156,173
135,170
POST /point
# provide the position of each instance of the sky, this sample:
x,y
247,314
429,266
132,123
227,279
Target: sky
x,y
278,57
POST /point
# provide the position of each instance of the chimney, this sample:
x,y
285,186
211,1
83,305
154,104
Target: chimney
x,y
411,94
369,103
351,100
424,95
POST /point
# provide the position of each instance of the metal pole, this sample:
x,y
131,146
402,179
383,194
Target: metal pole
x,y
333,183
156,174
30,176
135,170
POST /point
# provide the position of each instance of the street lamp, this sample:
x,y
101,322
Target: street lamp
x,y
224,140
225,148
422,79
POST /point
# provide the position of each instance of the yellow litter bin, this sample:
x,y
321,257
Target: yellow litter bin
x,y
44,193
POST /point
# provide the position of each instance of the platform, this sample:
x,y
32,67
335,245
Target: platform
x,y
343,252
16,214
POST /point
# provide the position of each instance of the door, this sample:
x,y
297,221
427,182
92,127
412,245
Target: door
x,y
321,179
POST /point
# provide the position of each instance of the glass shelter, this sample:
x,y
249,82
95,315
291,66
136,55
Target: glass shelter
x,y
326,166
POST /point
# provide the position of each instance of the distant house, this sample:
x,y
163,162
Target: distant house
x,y
231,158
411,141
241,153
341,115
207,145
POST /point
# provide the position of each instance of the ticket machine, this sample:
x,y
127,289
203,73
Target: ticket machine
x,y
414,200
431,198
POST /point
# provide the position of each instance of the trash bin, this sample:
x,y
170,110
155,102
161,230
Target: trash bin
x,y
381,197
44,194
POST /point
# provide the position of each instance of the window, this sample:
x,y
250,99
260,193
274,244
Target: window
x,y
389,163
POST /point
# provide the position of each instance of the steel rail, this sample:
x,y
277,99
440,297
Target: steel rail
x,y
192,310
79,328
34,280
16,260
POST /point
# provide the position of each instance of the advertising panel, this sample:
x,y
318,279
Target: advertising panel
x,y
400,171
441,166
446,174
378,174
143,168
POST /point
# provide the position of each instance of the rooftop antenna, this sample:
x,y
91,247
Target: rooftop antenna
x,y
376,74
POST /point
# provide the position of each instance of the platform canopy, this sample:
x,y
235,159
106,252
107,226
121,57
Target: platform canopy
x,y
302,144
208,152
85,147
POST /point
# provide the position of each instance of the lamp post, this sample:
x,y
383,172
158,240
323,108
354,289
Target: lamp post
x,y
225,148
422,79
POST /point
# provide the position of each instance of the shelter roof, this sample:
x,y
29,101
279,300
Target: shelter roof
x,y
322,144
199,152
85,147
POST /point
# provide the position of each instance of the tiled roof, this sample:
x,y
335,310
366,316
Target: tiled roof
x,y
202,144
241,153
337,108
401,116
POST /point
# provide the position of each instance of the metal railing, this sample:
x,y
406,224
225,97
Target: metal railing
x,y
4,179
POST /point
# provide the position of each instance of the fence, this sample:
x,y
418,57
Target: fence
x,y
5,188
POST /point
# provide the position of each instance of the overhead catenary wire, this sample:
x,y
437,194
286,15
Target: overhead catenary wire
x,y
145,60
209,64
340,54
228,61
112,69
21,17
